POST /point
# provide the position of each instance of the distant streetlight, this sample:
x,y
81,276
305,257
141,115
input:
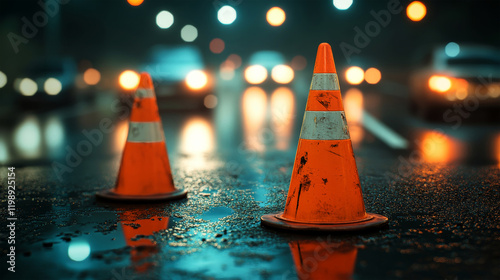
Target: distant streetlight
x,y
342,4
226,15
416,11
164,19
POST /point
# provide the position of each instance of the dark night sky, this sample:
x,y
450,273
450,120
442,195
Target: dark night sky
x,y
114,33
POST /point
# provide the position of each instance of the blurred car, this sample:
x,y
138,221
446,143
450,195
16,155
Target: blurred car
x,y
449,76
180,77
50,81
268,59
260,69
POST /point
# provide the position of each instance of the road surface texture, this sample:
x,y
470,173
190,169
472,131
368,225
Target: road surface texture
x,y
438,185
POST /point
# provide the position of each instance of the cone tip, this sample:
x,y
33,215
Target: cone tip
x,y
324,60
145,81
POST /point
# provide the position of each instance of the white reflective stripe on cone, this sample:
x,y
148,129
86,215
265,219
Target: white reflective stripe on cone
x,y
144,93
324,125
325,81
145,132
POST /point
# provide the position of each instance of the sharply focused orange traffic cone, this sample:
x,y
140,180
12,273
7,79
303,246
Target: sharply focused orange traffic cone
x,y
323,260
145,169
324,192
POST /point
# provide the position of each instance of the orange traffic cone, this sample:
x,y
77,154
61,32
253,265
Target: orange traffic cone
x,y
324,192
137,235
323,260
145,170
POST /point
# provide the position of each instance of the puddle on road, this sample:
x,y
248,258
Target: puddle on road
x,y
217,213
106,246
234,264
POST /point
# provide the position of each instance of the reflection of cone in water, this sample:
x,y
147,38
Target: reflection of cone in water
x,y
138,234
145,169
324,192
322,260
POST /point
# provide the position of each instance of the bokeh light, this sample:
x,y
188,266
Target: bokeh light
x,y
196,79
255,74
282,116
189,33
197,137
436,147
217,45
52,86
254,113
135,2
282,74
28,138
164,19
227,70
373,76
439,83
3,79
210,101
452,49
128,80
235,59
353,106
354,75
91,76
275,16
78,250
226,15
342,4
298,62
28,87
416,11
54,133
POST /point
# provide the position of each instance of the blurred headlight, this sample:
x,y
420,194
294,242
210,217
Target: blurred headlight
x,y
354,75
440,83
52,86
196,79
28,87
255,74
128,80
282,74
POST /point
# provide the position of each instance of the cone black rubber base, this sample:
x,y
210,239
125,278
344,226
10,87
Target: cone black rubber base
x,y
373,221
110,195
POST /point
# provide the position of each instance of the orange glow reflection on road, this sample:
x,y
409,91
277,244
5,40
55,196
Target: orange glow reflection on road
x,y
353,107
437,147
197,139
254,103
353,102
282,115
197,136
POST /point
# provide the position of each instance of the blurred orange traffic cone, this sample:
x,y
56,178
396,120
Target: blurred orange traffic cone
x,y
145,170
324,192
323,260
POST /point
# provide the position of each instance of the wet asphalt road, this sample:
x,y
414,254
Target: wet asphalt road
x,y
439,191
